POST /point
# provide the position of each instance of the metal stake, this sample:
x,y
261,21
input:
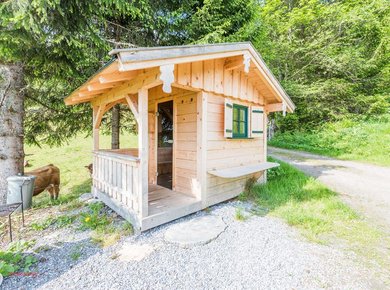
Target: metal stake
x,y
21,198
10,227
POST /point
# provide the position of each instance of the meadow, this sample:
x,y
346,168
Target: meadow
x,y
361,140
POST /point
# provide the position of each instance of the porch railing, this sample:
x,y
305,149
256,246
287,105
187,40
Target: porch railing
x,y
116,175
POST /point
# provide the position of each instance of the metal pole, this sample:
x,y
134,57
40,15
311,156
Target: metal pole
x,y
21,198
10,227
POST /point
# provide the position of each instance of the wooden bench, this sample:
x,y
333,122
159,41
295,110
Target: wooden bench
x,y
239,171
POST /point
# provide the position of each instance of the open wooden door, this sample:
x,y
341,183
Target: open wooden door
x,y
165,144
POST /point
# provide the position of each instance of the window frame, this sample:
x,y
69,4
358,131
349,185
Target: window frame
x,y
236,135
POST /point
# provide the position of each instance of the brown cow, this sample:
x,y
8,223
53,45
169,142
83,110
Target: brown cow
x,y
90,168
47,177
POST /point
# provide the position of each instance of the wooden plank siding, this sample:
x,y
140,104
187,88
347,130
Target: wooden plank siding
x,y
185,145
225,153
213,76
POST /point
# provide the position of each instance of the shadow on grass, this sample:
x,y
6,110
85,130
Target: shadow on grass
x,y
65,196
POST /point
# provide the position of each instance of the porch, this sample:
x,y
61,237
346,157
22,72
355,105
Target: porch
x,y
156,182
115,175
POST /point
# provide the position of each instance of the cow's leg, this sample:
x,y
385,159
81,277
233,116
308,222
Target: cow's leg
x,y
50,189
56,191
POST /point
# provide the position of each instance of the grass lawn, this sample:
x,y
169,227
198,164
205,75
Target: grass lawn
x,y
71,159
367,141
318,213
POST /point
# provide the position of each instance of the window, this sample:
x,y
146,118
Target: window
x,y
240,121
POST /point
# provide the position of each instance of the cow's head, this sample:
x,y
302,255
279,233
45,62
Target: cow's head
x,y
90,168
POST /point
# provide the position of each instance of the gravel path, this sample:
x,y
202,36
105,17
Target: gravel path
x,y
365,187
259,253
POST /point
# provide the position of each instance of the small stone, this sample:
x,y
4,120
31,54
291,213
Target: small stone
x,y
85,196
130,252
92,200
198,231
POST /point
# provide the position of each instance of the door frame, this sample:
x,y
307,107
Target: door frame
x,y
164,100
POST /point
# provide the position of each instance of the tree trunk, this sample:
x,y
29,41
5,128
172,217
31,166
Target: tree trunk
x,y
11,124
115,127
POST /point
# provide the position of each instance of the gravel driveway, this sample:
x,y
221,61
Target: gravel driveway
x,y
364,187
259,253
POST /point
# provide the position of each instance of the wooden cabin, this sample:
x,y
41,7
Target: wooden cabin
x,y
202,121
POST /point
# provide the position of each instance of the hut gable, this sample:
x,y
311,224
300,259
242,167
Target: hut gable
x,y
234,70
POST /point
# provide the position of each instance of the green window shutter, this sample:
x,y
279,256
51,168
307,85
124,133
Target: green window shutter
x,y
228,129
257,122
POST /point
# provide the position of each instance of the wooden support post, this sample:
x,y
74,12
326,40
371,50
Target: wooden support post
x,y
263,178
201,102
143,136
95,130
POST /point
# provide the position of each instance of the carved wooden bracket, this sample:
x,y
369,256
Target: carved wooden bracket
x,y
247,62
167,77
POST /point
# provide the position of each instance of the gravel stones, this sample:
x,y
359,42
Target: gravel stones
x,y
197,231
259,253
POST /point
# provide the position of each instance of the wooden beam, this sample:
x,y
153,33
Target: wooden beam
x,y
276,107
201,146
147,79
184,87
133,105
99,116
98,86
110,105
265,148
128,66
117,77
143,136
93,93
76,100
95,131
234,63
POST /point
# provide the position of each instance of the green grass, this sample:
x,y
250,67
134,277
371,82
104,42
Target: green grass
x,y
94,218
364,140
71,159
240,215
56,222
318,212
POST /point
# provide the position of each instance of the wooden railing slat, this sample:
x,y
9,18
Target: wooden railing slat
x,y
117,177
